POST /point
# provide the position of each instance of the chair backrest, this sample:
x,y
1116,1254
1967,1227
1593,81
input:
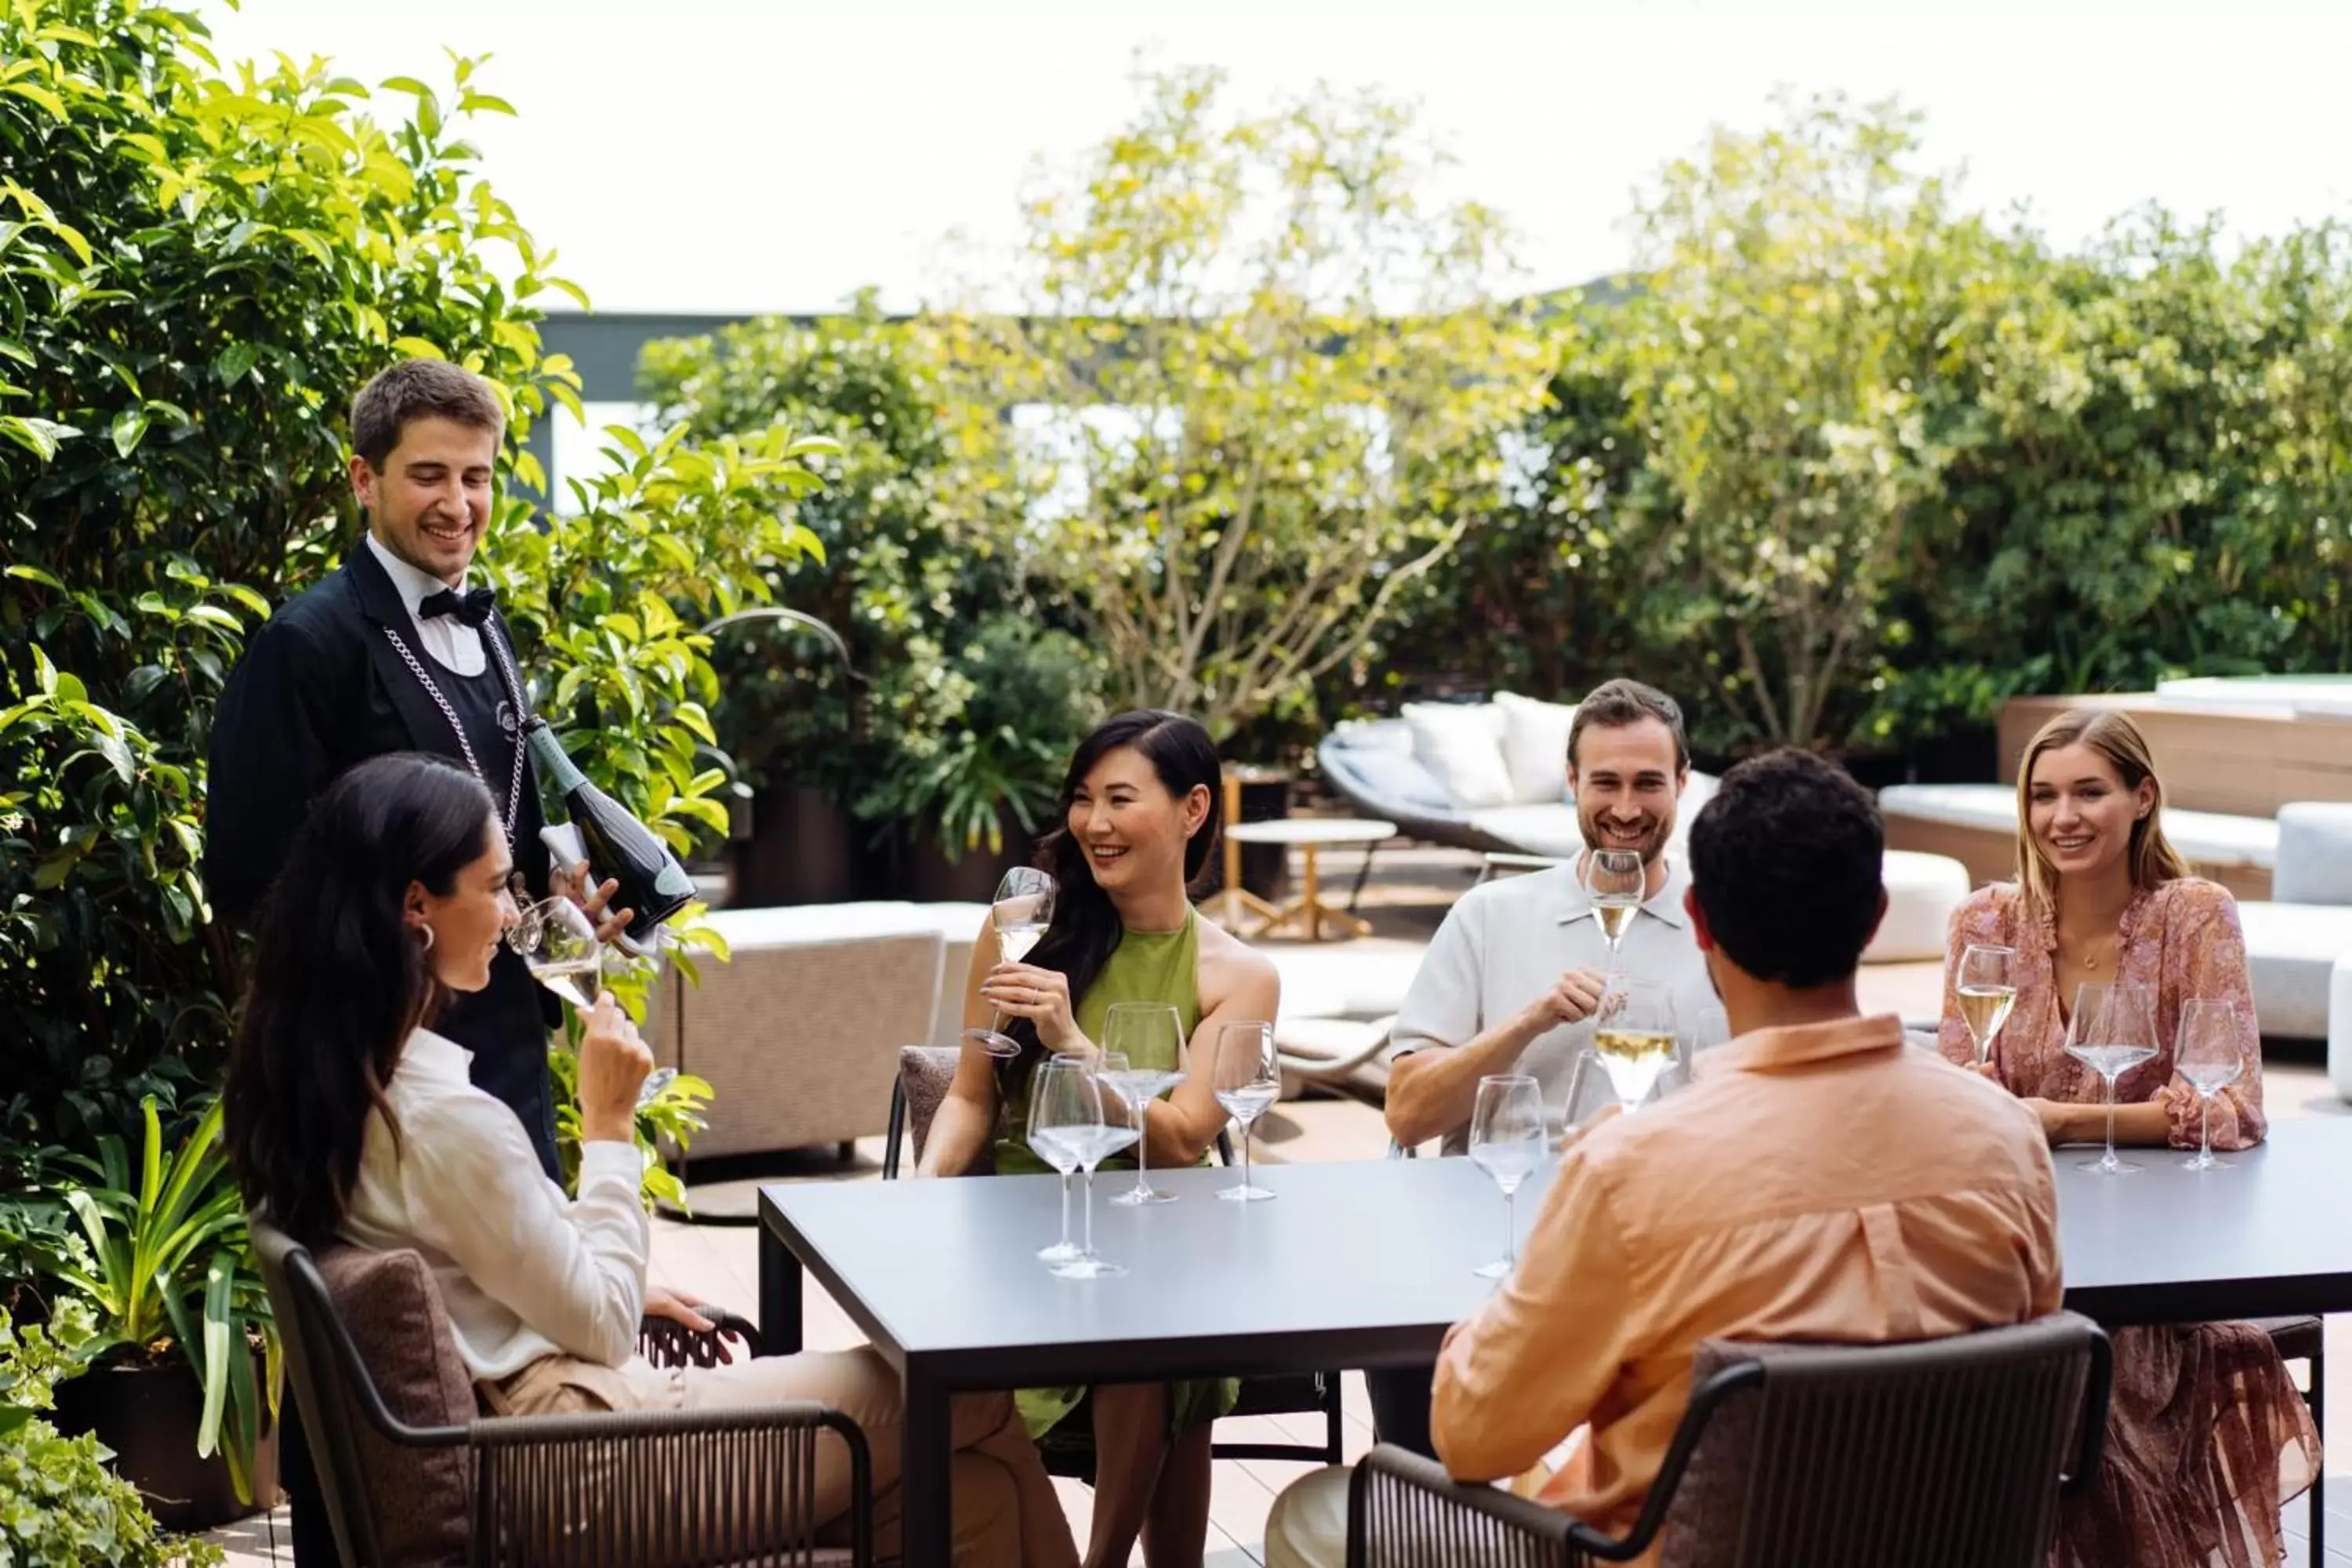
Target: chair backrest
x,y
388,1445
1944,1453
925,1073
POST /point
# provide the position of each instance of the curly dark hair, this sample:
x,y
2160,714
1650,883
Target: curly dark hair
x,y
1787,864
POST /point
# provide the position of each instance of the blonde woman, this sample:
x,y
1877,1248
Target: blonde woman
x,y
2207,1438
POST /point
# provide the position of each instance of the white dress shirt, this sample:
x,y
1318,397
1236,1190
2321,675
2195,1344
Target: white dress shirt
x,y
457,646
525,1270
1507,941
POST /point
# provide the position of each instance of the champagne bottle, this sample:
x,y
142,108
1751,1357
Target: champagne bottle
x,y
653,885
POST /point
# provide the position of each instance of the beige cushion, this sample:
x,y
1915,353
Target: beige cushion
x,y
422,1497
1462,747
1535,747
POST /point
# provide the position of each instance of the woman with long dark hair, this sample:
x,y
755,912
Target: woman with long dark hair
x,y
2206,1434
348,1120
1138,821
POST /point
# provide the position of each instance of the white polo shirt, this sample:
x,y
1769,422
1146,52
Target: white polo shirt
x,y
1508,940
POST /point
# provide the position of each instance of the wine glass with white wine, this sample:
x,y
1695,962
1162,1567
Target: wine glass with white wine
x,y
1985,986
1614,880
557,942
1633,1038
1023,908
2113,1030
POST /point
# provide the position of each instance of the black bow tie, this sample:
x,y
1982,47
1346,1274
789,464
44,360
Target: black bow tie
x,y
473,606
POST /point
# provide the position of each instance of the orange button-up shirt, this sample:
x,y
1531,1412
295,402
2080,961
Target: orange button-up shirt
x,y
1818,1182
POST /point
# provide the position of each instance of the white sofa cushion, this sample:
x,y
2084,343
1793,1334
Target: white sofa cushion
x,y
2205,837
2314,853
2291,952
1461,745
1535,747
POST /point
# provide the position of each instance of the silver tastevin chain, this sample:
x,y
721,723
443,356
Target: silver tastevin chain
x,y
514,695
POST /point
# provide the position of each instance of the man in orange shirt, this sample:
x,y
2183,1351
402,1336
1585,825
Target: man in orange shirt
x,y
1819,1180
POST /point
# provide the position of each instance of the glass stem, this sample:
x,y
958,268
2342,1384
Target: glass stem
x,y
1088,1249
1246,1142
1066,1208
1511,1227
2110,1081
1143,1147
2204,1127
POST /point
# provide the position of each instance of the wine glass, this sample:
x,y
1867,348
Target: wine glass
x,y
1614,880
1056,1153
1985,987
1247,1078
1082,1121
2209,1053
2111,1033
557,942
1633,1038
1143,1058
1506,1141
1023,908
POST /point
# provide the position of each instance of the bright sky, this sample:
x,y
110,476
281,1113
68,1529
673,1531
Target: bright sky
x,y
775,155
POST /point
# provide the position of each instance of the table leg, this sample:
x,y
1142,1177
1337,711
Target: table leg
x,y
924,1498
779,1296
1314,902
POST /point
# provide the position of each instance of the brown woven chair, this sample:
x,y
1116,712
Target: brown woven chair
x,y
924,1074
1947,1453
411,1473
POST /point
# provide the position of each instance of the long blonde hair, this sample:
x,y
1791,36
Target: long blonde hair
x,y
2112,734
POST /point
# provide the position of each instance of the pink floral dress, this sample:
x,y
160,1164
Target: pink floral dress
x,y
2207,1436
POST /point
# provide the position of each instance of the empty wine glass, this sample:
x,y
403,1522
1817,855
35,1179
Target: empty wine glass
x,y
1247,1079
556,940
1506,1141
1985,985
1633,1038
1055,1151
1023,908
1080,1119
1143,1059
2209,1053
2112,1032
1614,880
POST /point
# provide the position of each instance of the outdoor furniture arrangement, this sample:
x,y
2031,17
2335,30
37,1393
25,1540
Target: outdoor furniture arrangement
x,y
410,1471
799,1031
1943,1454
924,1074
2295,938
1368,1264
1308,835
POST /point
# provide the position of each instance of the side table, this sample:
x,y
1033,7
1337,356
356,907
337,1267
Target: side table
x,y
1309,835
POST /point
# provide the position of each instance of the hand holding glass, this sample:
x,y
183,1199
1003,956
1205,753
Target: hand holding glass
x,y
557,942
1985,986
1075,1118
1023,908
2113,1030
1506,1141
1247,1079
2210,1053
1143,1058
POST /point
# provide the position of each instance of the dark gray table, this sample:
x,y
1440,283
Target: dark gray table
x,y
1366,1264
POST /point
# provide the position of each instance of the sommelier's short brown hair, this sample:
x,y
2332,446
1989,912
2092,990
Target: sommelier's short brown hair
x,y
1615,704
420,389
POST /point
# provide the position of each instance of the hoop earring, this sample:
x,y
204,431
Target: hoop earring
x,y
428,937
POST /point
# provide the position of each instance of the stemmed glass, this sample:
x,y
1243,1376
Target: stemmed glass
x,y
1079,1120
1143,1059
1247,1079
557,942
2111,1033
1055,1151
1634,1036
1023,908
1506,1141
1985,985
2210,1053
1613,879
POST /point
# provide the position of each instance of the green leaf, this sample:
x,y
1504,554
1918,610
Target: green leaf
x,y
416,348
234,363
130,428
38,436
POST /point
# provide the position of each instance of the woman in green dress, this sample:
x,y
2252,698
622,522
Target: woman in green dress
x,y
1140,815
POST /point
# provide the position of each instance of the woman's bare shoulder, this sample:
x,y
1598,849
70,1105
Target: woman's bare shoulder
x,y
1229,965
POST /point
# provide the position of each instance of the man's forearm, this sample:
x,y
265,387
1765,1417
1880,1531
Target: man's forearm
x,y
1432,1093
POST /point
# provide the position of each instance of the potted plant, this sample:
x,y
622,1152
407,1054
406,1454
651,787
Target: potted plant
x,y
182,1368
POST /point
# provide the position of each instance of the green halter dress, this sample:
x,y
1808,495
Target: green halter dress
x,y
1146,966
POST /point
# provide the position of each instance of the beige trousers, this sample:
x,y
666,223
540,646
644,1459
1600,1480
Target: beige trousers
x,y
1006,1514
